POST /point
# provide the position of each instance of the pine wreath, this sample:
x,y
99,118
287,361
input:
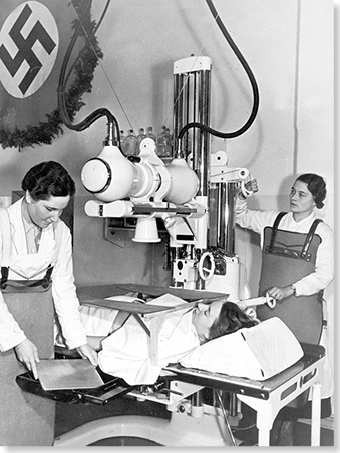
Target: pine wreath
x,y
46,131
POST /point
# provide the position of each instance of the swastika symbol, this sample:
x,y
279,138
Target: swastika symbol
x,y
25,52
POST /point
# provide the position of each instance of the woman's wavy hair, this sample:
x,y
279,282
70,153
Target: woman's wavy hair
x,y
231,319
317,187
48,179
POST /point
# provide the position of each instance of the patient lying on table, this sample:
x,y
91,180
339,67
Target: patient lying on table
x,y
125,352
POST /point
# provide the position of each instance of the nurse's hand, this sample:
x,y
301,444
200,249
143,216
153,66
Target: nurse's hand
x,y
27,353
89,353
280,293
252,185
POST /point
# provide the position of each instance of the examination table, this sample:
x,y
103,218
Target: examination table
x,y
192,422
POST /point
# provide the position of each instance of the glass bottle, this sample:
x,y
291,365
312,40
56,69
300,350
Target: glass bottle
x,y
167,140
140,137
150,134
121,138
129,144
160,142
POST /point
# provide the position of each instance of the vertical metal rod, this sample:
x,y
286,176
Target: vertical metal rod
x,y
230,223
226,419
204,118
221,242
186,138
201,168
197,398
176,109
233,404
194,132
213,216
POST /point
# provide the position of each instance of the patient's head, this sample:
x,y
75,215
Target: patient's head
x,y
219,318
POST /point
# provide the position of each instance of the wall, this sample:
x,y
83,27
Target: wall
x,y
289,46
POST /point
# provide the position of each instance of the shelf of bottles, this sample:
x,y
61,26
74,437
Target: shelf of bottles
x,y
130,141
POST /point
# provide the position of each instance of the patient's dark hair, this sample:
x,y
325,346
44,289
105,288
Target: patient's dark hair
x,y
48,179
231,319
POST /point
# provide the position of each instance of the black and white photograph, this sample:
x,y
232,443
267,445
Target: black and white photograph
x,y
167,223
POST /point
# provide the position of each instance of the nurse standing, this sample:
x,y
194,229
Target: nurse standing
x,y
37,286
297,259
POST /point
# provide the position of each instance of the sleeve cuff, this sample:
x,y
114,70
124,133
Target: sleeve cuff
x,y
79,342
12,342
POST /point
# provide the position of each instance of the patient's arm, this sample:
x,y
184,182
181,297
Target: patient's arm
x,y
95,342
118,322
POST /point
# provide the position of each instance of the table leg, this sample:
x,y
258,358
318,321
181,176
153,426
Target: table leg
x,y
155,326
264,437
316,414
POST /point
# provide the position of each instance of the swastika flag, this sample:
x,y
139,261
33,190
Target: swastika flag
x,y
33,40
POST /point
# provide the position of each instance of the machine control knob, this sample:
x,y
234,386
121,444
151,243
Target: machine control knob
x,y
206,266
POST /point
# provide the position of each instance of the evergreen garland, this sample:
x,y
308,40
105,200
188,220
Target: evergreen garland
x,y
48,130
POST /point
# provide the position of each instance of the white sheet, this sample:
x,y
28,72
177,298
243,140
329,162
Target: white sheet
x,y
258,353
125,353
98,321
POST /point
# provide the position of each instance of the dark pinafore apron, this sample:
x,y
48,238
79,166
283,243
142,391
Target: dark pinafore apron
x,y
286,258
26,419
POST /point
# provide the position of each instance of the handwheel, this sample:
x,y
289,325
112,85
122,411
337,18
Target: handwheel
x,y
206,266
271,302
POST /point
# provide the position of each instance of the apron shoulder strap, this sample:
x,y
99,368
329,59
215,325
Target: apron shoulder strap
x,y
274,230
5,231
309,238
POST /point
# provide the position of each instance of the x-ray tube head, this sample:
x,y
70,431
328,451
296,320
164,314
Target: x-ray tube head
x,y
185,182
109,176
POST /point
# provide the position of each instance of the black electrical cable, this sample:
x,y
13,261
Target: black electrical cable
x,y
253,82
61,87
